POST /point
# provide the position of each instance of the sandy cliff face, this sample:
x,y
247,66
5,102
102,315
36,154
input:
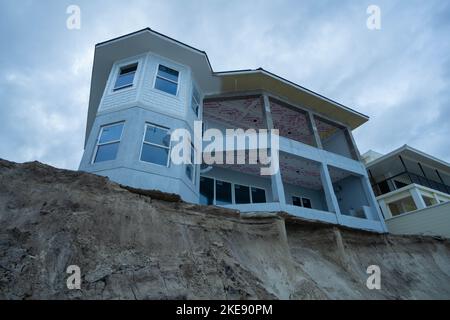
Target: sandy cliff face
x,y
150,246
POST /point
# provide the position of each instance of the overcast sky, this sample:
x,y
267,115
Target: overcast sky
x,y
399,75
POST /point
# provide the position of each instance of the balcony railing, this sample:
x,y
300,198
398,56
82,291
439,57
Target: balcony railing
x,y
405,178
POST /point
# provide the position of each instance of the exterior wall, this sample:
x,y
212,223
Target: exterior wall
x,y
137,106
351,195
317,197
433,220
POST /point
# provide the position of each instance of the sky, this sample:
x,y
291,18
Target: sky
x,y
398,75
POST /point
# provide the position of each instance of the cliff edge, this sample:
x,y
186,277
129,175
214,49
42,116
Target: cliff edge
x,y
135,244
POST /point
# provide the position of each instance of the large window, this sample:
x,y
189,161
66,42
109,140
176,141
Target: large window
x,y
222,192
190,167
156,145
206,191
167,80
258,195
108,142
241,194
126,77
195,101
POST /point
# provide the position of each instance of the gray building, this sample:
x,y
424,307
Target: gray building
x,y
146,85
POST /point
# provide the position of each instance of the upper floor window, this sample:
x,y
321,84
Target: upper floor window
x,y
167,80
125,77
108,142
156,145
195,100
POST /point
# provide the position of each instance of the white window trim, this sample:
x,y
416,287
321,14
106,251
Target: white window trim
x,y
148,124
176,82
97,144
113,89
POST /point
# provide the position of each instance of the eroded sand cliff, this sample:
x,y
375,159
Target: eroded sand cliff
x,y
138,245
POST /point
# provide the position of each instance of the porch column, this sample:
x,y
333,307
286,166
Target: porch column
x,y
417,197
384,209
275,179
330,197
312,123
352,143
373,203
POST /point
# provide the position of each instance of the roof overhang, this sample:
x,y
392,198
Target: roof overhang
x,y
409,153
263,80
147,40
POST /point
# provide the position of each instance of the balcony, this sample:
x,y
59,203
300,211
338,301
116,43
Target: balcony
x,y
410,198
407,178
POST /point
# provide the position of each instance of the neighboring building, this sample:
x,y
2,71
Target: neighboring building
x,y
145,85
412,189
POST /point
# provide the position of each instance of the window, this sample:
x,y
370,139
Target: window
x,y
241,194
206,191
108,142
195,100
223,192
306,203
258,195
156,145
190,168
297,201
301,202
429,201
126,77
167,80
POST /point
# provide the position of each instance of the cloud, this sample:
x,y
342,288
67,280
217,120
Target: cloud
x,y
398,75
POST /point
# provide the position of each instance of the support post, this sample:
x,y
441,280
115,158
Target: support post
x,y
275,179
406,170
384,209
353,146
418,199
313,126
377,214
330,197
442,181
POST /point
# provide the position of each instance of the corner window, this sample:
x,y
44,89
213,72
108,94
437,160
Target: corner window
x,y
156,145
195,100
108,142
190,168
167,80
126,77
